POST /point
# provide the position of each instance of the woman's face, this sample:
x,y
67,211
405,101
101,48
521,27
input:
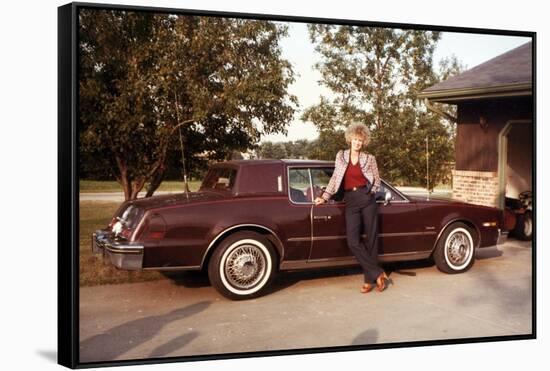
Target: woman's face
x,y
357,143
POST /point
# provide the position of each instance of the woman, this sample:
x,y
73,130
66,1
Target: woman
x,y
357,173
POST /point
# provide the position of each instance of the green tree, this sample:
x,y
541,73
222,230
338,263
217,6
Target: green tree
x,y
449,67
299,149
270,150
327,145
296,149
375,75
147,78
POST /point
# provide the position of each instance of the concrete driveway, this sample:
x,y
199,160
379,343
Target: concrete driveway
x,y
183,315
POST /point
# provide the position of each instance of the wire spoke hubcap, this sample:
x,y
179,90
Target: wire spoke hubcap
x,y
245,266
458,248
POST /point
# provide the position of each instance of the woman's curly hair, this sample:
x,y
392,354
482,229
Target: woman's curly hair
x,y
357,129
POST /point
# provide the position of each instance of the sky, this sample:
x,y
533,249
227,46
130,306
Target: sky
x,y
470,49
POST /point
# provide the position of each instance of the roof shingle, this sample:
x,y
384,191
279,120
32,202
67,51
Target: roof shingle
x,y
511,68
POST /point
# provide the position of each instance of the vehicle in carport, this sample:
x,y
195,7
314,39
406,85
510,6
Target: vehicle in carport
x,y
521,209
253,218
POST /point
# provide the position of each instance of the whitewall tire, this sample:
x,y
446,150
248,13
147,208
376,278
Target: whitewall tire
x,y
455,250
242,266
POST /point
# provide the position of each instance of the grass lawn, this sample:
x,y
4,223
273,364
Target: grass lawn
x,y
98,186
95,215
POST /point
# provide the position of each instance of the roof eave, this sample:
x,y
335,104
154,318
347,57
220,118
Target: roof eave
x,y
454,95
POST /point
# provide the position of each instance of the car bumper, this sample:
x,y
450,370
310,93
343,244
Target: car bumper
x,y
502,237
127,256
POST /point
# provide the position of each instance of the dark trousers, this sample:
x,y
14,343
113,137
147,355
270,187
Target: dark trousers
x,y
362,218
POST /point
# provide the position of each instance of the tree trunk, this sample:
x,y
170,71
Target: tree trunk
x,y
124,179
156,181
137,187
157,174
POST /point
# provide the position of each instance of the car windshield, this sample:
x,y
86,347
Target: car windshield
x,y
220,179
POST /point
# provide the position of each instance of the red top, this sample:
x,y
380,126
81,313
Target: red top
x,y
354,177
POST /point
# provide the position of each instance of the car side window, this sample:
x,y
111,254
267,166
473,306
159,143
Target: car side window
x,y
298,185
219,178
320,178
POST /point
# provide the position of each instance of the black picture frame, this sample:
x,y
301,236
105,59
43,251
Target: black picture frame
x,y
68,186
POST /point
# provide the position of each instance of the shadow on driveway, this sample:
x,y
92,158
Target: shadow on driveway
x,y
120,339
191,279
366,337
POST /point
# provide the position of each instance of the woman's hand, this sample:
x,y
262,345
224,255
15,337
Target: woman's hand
x,y
319,201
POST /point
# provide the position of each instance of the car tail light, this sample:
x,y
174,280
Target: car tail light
x,y
155,229
156,235
126,233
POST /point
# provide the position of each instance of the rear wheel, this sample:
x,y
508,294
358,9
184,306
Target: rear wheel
x,y
524,226
455,249
242,266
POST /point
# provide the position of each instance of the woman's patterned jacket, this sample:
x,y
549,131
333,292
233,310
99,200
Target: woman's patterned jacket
x,y
368,168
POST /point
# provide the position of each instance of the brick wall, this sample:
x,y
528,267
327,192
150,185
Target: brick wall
x,y
476,187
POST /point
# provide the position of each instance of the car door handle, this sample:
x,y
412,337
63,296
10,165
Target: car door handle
x,y
323,217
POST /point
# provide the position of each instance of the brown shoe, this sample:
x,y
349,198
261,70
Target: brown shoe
x,y
367,287
381,281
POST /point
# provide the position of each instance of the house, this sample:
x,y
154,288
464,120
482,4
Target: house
x,y
494,147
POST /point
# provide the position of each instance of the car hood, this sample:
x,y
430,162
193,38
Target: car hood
x,y
422,199
177,199
444,201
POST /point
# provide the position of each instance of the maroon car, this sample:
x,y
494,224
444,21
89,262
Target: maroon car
x,y
253,218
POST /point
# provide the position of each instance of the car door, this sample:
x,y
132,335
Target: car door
x,y
328,220
297,219
400,229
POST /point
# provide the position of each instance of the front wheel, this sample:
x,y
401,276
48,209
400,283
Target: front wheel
x,y
242,266
455,249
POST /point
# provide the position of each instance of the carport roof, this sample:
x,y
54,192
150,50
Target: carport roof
x,y
509,74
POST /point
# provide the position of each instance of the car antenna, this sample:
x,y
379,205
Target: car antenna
x,y
427,168
185,184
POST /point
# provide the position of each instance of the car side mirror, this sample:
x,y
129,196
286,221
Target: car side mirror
x,y
387,198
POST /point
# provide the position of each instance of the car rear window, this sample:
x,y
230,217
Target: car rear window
x,y
220,179
130,216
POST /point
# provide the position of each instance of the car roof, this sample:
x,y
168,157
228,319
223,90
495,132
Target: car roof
x,y
275,161
264,176
307,162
